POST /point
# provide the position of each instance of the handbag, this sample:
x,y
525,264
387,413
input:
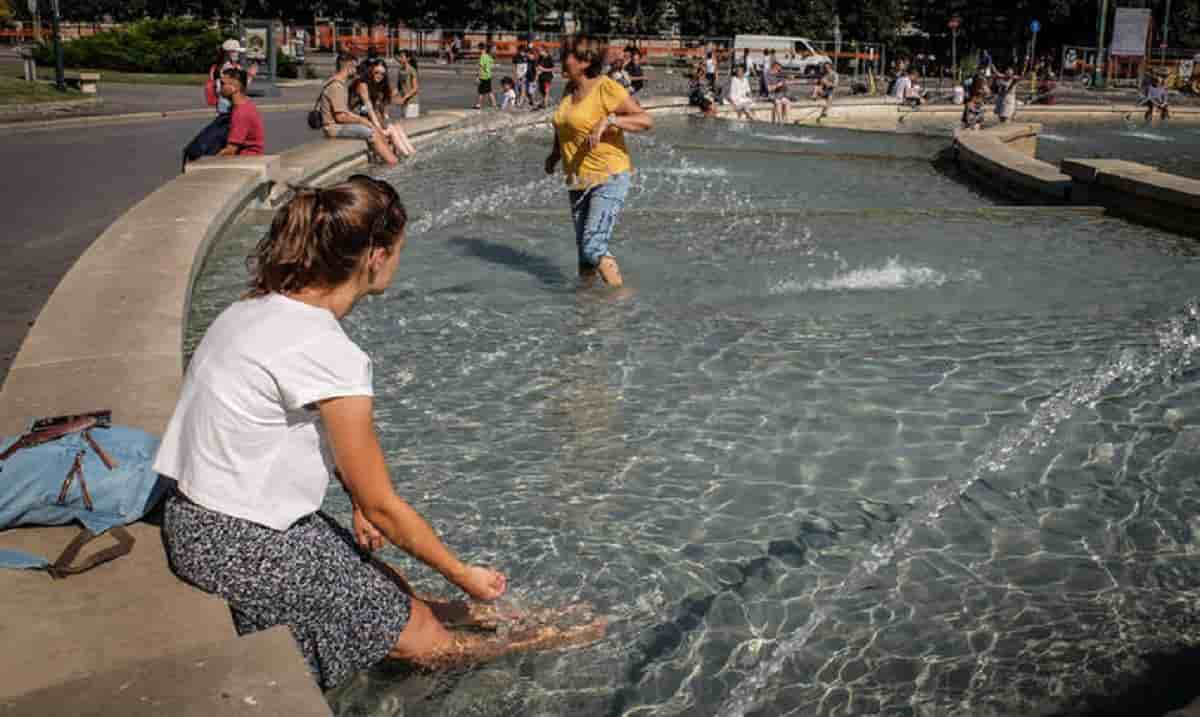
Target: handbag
x,y
77,469
314,115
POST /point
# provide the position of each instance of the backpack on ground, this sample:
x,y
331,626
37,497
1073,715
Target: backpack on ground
x,y
208,141
210,87
77,469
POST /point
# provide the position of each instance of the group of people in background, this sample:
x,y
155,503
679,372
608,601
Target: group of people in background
x,y
357,101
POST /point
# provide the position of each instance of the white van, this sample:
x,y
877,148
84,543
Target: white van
x,y
793,53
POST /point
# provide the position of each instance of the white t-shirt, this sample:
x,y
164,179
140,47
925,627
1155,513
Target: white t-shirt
x,y
509,99
902,85
739,91
710,66
246,439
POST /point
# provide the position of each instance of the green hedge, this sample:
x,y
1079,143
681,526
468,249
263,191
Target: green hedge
x,y
164,46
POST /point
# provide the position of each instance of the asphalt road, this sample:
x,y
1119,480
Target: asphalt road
x,y
60,188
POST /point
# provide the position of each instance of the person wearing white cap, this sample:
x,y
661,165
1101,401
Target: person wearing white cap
x,y
229,59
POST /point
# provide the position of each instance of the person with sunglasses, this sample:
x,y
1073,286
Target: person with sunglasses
x,y
589,139
277,401
339,122
372,98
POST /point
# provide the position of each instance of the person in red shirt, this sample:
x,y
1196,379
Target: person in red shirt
x,y
246,134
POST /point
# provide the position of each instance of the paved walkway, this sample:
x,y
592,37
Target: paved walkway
x,y
62,186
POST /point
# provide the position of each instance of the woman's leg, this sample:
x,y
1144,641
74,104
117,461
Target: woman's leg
x,y
580,206
604,207
400,140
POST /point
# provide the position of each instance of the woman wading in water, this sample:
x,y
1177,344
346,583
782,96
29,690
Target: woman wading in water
x,y
277,400
589,138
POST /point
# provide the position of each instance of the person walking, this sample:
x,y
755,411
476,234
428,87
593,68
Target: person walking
x,y
277,400
589,139
486,63
545,77
372,93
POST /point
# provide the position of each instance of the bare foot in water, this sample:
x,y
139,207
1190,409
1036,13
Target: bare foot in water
x,y
490,616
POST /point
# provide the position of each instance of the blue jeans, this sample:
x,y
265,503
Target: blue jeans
x,y
595,212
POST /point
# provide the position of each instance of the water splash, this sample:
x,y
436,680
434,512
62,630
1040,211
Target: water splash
x,y
891,276
1151,136
1178,342
795,138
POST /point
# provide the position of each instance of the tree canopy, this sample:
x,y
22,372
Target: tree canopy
x,y
912,25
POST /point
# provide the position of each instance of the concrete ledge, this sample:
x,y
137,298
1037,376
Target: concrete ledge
x,y
1002,158
220,679
1137,192
115,615
111,334
268,166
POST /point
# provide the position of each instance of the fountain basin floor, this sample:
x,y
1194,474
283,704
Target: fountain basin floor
x,y
860,441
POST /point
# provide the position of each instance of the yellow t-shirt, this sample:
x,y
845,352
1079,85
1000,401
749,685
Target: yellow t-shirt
x,y
573,121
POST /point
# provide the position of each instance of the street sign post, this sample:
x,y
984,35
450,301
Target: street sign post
x,y
953,25
1034,27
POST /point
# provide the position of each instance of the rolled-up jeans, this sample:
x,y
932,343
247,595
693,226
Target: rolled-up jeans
x,y
595,211
349,131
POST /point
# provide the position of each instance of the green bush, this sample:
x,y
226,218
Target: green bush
x,y
164,46
285,66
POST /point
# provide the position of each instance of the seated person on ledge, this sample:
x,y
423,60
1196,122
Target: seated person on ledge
x,y
1157,99
338,122
278,400
246,134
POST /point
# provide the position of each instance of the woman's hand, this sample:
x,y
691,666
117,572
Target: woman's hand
x,y
483,583
368,536
597,132
551,163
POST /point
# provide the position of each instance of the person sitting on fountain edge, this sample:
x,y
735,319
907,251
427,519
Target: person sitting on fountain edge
x,y
1157,99
246,133
338,122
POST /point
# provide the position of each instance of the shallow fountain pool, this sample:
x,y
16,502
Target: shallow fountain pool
x,y
860,442
1172,148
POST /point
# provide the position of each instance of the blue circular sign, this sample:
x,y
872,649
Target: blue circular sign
x,y
1035,26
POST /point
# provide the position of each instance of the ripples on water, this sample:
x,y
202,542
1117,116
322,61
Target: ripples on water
x,y
861,442
1168,147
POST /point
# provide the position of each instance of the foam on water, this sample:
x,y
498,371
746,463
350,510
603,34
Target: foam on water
x,y
1151,136
1052,137
892,276
799,139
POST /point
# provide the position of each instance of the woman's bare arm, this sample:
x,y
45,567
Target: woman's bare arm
x,y
349,423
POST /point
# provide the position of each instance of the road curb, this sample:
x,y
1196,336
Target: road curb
x,y
99,120
55,106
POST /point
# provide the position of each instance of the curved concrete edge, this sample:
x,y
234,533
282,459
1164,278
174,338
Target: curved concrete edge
x,y
1138,192
887,114
1002,158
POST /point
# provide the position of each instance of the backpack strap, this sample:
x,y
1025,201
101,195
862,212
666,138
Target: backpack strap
x,y
63,567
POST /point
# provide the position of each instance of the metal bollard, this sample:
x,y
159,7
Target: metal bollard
x,y
29,65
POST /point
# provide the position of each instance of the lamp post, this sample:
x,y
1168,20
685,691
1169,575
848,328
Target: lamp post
x,y
60,81
1166,25
529,22
953,24
1097,73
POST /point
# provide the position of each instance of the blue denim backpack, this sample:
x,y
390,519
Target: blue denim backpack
x,y
77,468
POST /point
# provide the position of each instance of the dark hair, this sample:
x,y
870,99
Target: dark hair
x,y
380,91
319,238
587,50
345,58
235,73
507,82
